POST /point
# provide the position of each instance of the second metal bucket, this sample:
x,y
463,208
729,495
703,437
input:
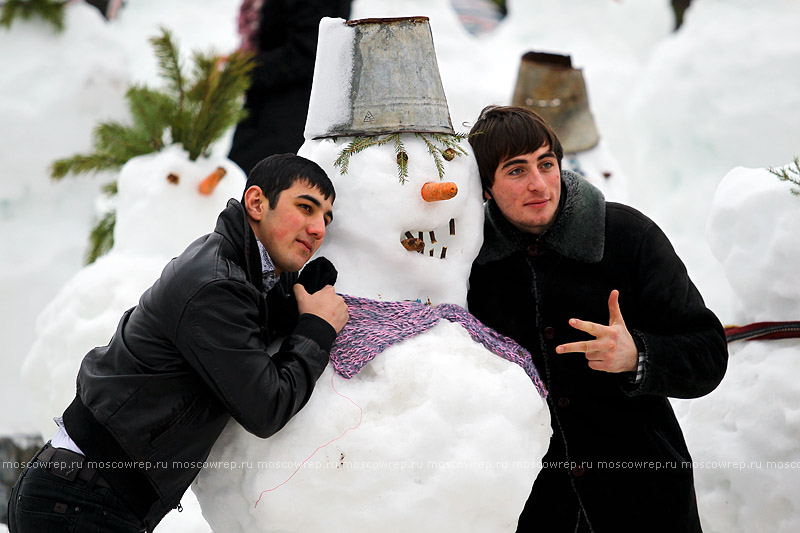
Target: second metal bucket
x,y
549,85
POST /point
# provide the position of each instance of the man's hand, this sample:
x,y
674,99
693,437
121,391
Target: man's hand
x,y
324,303
613,349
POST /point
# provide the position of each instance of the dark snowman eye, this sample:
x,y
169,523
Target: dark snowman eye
x,y
173,178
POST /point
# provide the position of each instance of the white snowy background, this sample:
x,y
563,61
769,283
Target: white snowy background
x,y
692,117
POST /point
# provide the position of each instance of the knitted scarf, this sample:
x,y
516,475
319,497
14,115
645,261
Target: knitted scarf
x,y
376,325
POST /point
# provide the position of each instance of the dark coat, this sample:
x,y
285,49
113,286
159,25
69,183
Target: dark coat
x,y
617,451
277,101
189,356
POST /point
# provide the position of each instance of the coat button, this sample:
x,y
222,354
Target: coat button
x,y
578,471
533,250
549,333
563,402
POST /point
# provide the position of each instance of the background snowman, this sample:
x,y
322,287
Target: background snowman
x,y
744,435
436,433
164,200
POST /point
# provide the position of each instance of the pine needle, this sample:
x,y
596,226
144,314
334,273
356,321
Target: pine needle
x,y
193,112
790,174
101,239
51,11
446,141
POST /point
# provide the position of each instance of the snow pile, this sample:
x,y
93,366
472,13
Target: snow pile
x,y
157,217
743,436
55,88
436,433
720,93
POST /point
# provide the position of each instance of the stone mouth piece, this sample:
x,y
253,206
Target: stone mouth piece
x,y
431,242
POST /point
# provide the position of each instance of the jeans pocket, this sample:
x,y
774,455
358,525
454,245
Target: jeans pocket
x,y
44,515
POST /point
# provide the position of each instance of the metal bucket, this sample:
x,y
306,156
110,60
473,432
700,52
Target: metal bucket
x,y
395,84
549,85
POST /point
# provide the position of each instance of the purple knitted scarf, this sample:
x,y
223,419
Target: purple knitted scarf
x,y
375,325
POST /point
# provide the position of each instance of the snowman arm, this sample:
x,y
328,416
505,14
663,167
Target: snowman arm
x,y
682,342
221,338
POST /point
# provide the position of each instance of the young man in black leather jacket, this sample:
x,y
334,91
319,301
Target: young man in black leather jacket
x,y
192,353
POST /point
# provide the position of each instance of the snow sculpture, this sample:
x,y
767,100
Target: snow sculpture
x,y
744,435
159,212
436,433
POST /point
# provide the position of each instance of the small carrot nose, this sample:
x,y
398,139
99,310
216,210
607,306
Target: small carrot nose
x,y
436,192
210,182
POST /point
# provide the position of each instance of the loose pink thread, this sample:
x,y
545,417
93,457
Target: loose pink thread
x,y
360,417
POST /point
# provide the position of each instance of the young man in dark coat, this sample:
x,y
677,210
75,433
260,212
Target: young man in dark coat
x,y
190,355
595,291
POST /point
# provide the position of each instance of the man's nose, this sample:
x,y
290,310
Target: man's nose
x,y
316,228
536,182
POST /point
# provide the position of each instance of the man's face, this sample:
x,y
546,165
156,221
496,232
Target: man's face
x,y
295,228
527,189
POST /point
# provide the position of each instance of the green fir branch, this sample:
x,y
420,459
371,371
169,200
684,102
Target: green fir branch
x,y
790,174
51,11
194,112
450,148
101,239
435,152
402,158
169,64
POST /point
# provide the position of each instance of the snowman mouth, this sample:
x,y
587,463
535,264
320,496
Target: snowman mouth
x,y
431,242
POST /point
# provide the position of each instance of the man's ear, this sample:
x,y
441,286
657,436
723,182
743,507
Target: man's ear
x,y
487,195
255,203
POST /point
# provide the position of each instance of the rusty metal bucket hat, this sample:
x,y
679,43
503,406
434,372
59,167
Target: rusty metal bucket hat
x,y
548,84
376,76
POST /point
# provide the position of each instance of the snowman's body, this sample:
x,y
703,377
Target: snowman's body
x,y
159,212
744,436
436,433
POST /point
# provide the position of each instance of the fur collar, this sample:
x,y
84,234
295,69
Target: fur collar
x,y
578,232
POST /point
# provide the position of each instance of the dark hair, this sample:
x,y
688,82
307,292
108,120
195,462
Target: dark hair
x,y
502,132
276,173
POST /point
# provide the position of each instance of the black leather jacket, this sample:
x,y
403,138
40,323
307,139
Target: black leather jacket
x,y
190,355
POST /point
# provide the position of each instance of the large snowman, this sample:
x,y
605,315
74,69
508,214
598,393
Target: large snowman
x,y
436,433
744,436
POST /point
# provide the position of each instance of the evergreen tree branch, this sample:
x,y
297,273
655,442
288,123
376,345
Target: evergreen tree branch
x,y
170,68
51,11
790,174
101,238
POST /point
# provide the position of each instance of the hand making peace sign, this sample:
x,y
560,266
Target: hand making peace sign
x,y
613,349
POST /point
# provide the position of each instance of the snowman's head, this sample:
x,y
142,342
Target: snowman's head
x,y
165,200
387,241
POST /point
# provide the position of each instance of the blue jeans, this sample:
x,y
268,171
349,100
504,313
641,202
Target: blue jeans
x,y
42,502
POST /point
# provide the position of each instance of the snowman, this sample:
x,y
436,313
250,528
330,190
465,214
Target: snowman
x,y
165,201
435,432
744,435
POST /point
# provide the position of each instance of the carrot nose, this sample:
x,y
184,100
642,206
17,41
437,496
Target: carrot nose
x,y
210,182
436,192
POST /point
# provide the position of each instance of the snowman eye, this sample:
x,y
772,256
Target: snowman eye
x,y
173,178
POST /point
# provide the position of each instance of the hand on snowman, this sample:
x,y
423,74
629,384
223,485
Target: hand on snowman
x,y
324,303
613,349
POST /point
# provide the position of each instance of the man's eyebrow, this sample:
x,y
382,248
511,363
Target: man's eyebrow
x,y
318,204
311,199
511,162
546,155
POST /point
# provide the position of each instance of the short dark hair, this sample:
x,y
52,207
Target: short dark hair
x,y
276,173
502,132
